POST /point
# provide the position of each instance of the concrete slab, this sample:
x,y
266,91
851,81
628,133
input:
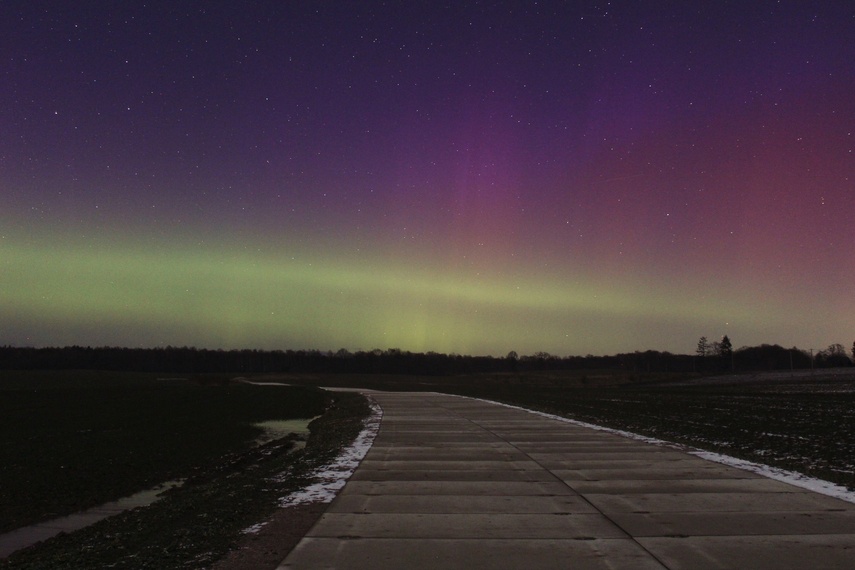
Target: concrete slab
x,y
562,447
583,440
436,437
433,428
443,454
451,444
460,474
469,488
736,524
507,526
657,454
547,461
711,471
547,437
456,504
448,465
794,552
718,485
457,483
799,500
456,554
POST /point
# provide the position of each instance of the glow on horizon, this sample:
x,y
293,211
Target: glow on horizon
x,y
232,298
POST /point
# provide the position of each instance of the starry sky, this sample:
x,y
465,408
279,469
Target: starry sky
x,y
461,177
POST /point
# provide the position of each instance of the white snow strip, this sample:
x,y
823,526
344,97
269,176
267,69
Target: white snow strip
x,y
329,479
254,529
790,477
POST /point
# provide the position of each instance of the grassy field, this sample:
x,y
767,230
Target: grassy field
x,y
72,440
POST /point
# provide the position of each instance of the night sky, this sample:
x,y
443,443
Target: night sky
x,y
476,177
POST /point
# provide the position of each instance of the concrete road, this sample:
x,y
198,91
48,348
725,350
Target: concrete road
x,y
458,483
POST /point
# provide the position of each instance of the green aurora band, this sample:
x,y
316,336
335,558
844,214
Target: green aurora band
x,y
240,297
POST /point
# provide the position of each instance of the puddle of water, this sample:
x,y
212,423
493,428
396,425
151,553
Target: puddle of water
x,y
29,535
143,498
275,429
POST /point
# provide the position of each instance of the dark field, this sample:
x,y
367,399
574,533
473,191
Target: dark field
x,y
804,423
73,440
148,430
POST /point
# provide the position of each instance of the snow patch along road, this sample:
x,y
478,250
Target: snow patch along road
x,y
791,477
329,479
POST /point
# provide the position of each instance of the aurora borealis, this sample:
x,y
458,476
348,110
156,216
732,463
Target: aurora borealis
x,y
587,177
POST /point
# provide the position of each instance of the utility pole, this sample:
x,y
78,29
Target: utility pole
x,y
792,374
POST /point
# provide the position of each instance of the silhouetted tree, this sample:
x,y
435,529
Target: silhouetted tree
x,y
703,347
770,357
725,349
836,350
512,360
832,357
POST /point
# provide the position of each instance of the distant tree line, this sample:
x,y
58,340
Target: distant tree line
x,y
711,357
719,356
